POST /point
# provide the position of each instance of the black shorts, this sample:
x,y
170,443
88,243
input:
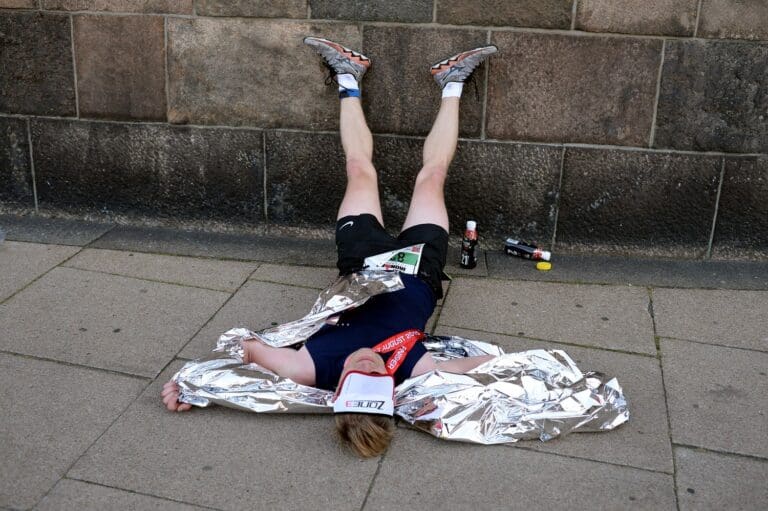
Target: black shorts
x,y
361,236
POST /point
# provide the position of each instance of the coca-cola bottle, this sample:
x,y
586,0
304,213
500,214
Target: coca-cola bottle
x,y
469,245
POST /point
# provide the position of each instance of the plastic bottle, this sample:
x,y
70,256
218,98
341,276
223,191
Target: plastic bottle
x,y
525,250
468,246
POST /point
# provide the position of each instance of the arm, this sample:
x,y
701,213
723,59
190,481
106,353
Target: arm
x,y
463,365
458,365
285,362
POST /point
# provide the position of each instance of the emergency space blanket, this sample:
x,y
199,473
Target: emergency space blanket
x,y
527,395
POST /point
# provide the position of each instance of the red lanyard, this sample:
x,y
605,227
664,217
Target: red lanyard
x,y
401,344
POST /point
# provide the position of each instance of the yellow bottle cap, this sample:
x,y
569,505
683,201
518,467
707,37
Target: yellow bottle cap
x,y
543,266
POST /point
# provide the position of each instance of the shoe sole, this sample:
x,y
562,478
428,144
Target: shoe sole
x,y
329,50
448,63
460,67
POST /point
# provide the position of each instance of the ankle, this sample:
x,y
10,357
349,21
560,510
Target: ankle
x,y
348,86
453,89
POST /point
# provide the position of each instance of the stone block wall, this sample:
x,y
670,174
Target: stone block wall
x,y
637,126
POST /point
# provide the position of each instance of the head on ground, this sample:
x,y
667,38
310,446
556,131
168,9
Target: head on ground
x,y
364,404
367,435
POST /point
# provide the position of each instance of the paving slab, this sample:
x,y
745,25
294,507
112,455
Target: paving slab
x,y
727,318
421,468
227,459
708,480
106,321
75,495
256,305
606,269
614,317
21,263
51,414
249,247
717,397
61,231
207,273
643,442
306,276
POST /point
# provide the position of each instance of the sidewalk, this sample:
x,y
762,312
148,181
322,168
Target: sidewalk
x,y
96,317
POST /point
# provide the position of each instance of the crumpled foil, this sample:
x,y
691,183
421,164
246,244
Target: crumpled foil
x,y
347,292
532,394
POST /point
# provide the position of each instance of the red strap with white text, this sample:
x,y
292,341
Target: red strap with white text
x,y
401,344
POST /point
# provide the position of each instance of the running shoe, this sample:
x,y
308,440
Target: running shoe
x,y
339,59
461,66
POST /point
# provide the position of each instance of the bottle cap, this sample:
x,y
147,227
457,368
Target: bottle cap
x,y
471,225
543,266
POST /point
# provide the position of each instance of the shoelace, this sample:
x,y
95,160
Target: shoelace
x,y
329,79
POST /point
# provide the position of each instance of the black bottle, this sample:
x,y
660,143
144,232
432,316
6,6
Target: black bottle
x,y
469,245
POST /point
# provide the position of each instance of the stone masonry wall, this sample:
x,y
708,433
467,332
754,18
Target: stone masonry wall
x,y
624,125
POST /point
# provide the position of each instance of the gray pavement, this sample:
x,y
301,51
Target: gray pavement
x,y
95,317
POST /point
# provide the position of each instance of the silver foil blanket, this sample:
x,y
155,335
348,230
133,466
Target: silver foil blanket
x,y
347,292
532,394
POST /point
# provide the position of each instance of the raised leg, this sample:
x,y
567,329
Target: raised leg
x,y
428,199
362,193
348,67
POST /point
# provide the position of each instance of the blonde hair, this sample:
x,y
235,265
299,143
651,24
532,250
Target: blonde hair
x,y
366,434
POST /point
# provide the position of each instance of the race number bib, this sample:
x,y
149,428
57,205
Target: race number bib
x,y
405,260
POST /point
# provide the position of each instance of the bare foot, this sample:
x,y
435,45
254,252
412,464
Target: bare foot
x,y
170,395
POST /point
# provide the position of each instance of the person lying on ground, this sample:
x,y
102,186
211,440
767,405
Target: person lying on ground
x,y
371,349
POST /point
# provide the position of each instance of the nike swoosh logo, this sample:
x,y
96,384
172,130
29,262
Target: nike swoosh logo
x,y
346,224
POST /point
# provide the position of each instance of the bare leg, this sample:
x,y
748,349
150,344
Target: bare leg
x,y
362,194
428,199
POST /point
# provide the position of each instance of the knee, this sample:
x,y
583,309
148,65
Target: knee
x,y
360,168
433,175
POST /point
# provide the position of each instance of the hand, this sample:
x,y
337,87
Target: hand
x,y
170,395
